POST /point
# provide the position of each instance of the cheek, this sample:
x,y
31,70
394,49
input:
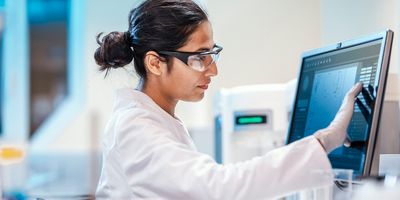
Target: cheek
x,y
185,86
182,76
185,82
182,83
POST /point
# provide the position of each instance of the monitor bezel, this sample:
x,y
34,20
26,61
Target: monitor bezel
x,y
383,65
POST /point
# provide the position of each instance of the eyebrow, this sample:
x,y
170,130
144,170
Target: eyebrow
x,y
202,49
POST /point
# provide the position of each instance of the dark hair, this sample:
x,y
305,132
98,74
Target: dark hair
x,y
153,26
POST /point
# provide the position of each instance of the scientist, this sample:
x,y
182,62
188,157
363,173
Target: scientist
x,y
147,151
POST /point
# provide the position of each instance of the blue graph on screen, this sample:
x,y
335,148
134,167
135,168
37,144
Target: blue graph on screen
x,y
329,88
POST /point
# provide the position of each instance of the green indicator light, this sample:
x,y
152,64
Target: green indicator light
x,y
250,120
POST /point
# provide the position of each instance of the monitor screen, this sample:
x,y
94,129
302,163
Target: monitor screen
x,y
325,77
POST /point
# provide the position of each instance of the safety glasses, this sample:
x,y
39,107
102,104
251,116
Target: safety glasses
x,y
199,61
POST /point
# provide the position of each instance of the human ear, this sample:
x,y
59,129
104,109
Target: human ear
x,y
153,63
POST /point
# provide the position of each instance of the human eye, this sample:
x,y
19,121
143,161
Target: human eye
x,y
202,57
199,57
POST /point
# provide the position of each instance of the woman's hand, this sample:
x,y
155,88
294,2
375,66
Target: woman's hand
x,y
336,133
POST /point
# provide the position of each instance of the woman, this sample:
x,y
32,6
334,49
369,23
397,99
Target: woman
x,y
147,152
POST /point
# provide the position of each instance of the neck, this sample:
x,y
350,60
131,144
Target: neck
x,y
166,103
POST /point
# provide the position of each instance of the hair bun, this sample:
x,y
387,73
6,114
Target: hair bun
x,y
115,50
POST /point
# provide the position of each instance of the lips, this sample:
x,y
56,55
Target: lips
x,y
204,87
204,84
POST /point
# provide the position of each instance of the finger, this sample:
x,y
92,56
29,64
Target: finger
x,y
363,109
349,99
355,90
347,141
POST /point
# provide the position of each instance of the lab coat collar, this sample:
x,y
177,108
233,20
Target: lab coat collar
x,y
127,97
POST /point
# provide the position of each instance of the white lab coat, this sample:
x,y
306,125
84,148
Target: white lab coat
x,y
148,154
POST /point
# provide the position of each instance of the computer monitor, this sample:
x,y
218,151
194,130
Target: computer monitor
x,y
326,74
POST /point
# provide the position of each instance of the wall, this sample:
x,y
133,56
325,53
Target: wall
x,y
343,19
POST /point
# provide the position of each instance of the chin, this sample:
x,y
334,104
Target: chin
x,y
195,98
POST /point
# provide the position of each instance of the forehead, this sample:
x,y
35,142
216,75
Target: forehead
x,y
201,39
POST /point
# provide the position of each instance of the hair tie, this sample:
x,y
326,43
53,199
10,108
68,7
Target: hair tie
x,y
128,37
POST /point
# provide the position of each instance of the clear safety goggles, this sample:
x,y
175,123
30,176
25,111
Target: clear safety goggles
x,y
199,61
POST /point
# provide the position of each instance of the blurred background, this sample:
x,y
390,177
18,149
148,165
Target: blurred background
x,y
55,103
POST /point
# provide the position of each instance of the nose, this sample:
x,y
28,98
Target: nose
x,y
212,70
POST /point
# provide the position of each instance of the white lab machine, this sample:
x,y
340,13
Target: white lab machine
x,y
251,120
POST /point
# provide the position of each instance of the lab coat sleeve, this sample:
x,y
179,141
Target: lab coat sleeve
x,y
157,165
